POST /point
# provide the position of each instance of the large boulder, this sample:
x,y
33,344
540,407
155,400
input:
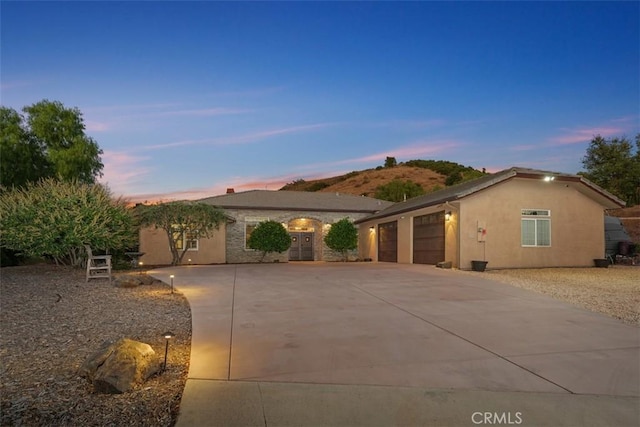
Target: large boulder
x,y
117,367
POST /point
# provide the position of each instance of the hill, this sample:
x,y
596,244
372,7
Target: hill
x,y
430,174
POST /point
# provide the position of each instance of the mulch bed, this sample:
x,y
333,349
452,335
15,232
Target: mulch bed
x,y
52,321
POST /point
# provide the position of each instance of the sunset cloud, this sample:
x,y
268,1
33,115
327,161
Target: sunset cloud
x,y
576,136
123,171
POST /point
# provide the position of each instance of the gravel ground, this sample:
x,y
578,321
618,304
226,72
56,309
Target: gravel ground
x,y
614,291
52,321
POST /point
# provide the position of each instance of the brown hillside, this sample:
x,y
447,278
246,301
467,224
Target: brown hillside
x,y
365,182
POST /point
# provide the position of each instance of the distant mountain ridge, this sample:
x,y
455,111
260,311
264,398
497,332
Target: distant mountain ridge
x,y
432,175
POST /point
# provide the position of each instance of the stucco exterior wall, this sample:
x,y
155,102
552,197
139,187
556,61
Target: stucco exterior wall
x,y
577,225
155,245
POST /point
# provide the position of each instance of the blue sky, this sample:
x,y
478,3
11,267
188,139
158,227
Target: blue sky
x,y
189,98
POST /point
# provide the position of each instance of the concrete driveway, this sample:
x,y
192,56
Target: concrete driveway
x,y
389,344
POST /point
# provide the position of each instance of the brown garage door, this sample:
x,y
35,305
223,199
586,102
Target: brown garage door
x,y
428,238
388,242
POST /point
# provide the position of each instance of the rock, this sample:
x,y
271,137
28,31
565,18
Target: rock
x,y
133,280
117,367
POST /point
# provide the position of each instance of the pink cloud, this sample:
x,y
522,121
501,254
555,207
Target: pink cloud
x,y
93,126
122,171
574,136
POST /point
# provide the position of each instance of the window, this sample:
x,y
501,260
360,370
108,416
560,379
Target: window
x,y
190,238
250,224
536,227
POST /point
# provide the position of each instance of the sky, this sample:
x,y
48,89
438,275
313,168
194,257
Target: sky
x,y
187,99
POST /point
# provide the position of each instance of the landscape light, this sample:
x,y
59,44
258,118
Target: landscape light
x,y
167,336
171,277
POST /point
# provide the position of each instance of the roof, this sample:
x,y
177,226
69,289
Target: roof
x,y
297,201
468,188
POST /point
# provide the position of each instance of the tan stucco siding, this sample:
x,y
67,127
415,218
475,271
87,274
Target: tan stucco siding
x,y
577,225
155,244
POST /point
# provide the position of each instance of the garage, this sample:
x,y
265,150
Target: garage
x,y
388,242
428,238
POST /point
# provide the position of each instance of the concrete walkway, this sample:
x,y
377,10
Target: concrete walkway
x,y
387,344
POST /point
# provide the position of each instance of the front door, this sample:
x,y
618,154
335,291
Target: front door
x,y
301,246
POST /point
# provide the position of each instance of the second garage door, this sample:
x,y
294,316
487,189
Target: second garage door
x,y
388,242
428,238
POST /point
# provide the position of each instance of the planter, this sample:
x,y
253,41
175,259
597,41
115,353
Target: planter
x,y
479,265
601,262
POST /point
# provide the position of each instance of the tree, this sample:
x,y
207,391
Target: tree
x,y
269,236
182,222
390,162
55,219
49,141
342,237
611,164
398,190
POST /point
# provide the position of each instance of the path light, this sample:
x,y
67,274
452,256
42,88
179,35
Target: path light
x,y
167,336
171,277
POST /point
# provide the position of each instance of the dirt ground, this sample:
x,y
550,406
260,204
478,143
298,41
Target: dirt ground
x,y
52,321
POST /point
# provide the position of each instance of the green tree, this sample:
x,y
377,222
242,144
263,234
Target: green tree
x,y
342,237
181,221
269,236
611,164
390,162
55,219
49,141
398,190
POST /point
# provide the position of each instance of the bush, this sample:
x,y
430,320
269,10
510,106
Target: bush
x,y
55,219
342,237
269,236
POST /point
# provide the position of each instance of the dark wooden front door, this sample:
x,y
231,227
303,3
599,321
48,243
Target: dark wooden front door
x,y
301,246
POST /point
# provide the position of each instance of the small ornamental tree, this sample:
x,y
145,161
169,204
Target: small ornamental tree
x,y
182,222
269,236
55,219
342,237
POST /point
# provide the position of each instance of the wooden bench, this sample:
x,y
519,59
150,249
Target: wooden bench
x,y
98,266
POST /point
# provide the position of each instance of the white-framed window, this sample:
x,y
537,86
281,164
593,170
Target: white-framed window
x,y
250,224
536,227
188,238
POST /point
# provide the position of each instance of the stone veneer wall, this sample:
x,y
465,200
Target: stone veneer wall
x,y
236,252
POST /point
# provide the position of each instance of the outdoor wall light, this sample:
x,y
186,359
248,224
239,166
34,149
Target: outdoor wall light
x,y
447,215
167,336
372,228
171,277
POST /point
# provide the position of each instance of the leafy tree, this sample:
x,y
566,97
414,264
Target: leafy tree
x,y
398,190
390,162
269,236
49,141
611,164
180,219
342,237
56,218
